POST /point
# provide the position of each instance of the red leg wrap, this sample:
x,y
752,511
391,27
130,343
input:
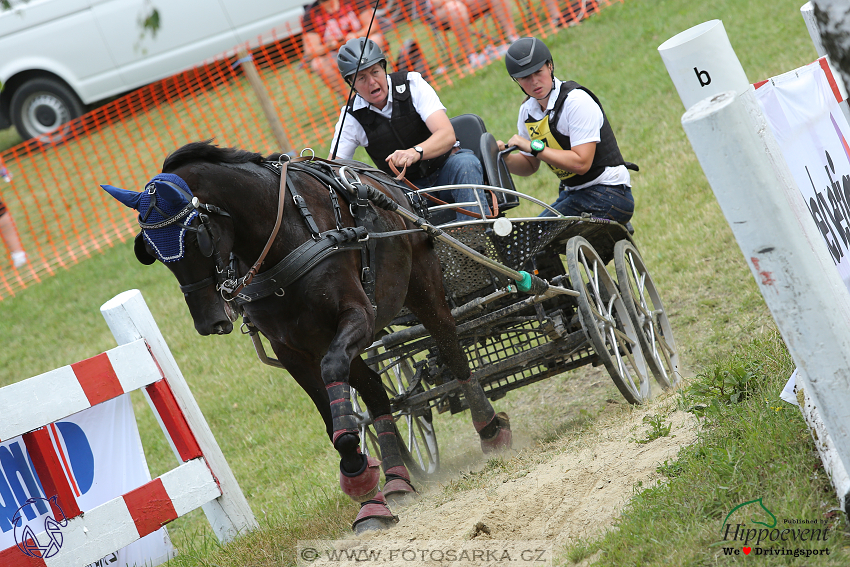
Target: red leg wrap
x,y
374,509
502,440
398,482
363,486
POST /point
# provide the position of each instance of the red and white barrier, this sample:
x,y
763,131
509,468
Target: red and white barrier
x,y
143,361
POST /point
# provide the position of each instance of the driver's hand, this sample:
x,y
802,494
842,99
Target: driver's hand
x,y
523,144
501,145
402,158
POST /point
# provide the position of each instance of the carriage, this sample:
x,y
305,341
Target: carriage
x,y
590,315
413,316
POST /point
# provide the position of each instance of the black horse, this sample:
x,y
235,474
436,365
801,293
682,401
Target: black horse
x,y
210,215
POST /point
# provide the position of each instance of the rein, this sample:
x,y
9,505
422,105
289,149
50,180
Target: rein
x,y
400,177
246,279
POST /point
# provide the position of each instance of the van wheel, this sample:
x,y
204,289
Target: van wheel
x,y
40,106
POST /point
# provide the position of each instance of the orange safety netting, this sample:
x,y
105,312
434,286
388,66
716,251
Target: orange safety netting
x,y
63,215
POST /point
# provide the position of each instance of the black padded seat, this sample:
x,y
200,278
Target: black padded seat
x,y
472,135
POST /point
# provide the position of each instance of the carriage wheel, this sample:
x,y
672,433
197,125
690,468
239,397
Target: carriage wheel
x,y
414,427
647,311
606,321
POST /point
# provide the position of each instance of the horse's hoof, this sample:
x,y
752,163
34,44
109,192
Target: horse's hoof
x,y
374,515
402,499
372,525
503,438
363,485
398,490
399,493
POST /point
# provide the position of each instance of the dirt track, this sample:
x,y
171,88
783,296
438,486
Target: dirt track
x,y
556,491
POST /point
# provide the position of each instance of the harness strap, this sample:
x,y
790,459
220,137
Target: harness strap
x,y
300,261
189,288
252,271
305,212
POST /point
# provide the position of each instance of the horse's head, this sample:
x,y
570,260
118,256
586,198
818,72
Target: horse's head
x,y
177,232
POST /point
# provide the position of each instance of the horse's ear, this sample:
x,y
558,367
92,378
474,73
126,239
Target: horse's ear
x,y
128,198
142,254
171,194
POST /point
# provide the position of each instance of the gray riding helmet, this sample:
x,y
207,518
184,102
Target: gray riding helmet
x,y
354,52
525,56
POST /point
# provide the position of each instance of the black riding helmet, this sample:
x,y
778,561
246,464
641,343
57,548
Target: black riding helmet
x,y
525,56
358,50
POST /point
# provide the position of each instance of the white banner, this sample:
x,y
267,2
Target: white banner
x,y
101,454
811,129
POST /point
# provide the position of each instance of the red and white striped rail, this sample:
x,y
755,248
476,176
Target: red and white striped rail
x,y
143,361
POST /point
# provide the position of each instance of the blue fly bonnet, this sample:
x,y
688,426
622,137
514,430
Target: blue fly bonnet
x,y
165,211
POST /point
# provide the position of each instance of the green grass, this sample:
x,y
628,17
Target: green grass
x,y
752,445
272,435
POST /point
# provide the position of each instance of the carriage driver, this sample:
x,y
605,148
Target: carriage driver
x,y
399,119
562,124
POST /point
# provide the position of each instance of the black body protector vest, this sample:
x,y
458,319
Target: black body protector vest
x,y
404,130
607,152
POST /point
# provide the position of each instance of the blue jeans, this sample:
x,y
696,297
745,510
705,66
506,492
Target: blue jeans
x,y
613,202
461,168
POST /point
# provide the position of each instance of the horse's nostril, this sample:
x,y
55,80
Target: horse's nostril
x,y
222,328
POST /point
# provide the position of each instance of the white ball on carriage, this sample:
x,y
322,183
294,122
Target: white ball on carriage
x,y
502,226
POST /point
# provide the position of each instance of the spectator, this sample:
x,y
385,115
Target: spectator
x,y
457,16
562,124
575,12
399,119
10,236
327,25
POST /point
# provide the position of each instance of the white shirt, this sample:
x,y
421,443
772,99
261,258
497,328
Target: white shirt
x,y
425,101
581,119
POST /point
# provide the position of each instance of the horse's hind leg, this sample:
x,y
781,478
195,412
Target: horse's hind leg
x,y
426,299
358,474
397,488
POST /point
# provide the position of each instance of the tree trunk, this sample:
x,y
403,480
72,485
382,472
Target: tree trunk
x,y
833,17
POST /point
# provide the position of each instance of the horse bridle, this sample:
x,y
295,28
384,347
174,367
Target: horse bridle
x,y
225,279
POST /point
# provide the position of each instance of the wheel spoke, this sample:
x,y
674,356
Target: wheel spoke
x,y
621,365
621,336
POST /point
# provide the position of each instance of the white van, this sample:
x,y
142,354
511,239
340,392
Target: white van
x,y
58,56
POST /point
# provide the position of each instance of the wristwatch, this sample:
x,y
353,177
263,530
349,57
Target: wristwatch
x,y
537,146
420,150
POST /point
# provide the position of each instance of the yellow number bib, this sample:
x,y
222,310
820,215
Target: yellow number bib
x,y
540,131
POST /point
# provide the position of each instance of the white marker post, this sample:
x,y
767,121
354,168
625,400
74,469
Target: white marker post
x,y
702,63
129,319
800,285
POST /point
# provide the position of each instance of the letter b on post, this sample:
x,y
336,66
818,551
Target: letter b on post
x,y
703,77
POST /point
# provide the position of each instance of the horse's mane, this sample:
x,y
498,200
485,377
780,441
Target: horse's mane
x,y
208,152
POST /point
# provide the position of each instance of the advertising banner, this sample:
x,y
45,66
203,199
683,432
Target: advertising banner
x,y
102,457
802,110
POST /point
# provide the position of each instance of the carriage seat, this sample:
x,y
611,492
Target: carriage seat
x,y
472,135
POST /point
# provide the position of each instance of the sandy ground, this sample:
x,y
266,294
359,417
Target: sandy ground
x,y
545,490
569,491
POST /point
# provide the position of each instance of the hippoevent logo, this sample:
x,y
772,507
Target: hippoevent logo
x,y
762,534
22,497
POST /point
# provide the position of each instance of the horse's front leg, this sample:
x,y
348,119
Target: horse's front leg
x,y
398,488
358,475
